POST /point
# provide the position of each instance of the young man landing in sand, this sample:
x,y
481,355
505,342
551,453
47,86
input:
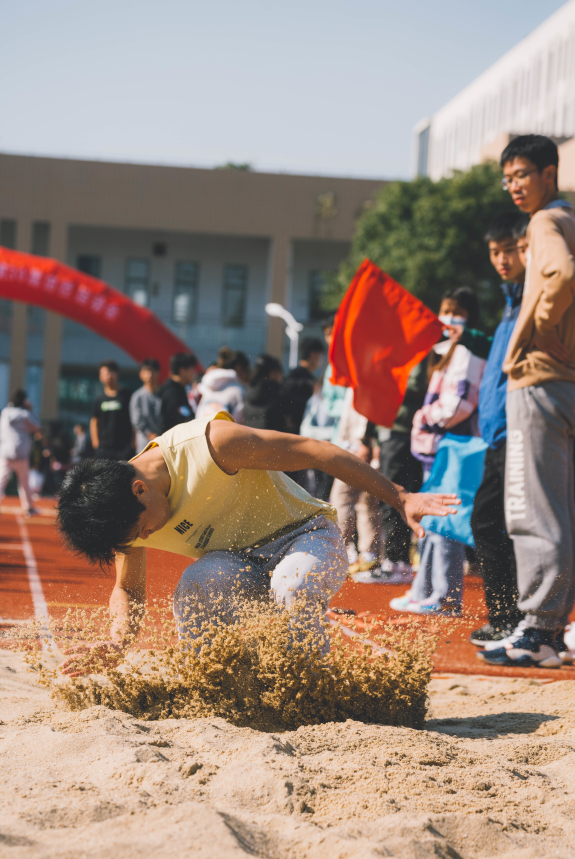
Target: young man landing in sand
x,y
214,491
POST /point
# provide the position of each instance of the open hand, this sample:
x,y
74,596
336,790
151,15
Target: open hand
x,y
92,658
549,342
416,505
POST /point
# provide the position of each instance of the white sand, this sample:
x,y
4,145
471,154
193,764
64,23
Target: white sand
x,y
492,776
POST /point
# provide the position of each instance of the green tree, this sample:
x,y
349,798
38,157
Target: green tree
x,y
429,237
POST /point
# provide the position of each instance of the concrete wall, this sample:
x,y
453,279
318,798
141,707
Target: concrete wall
x,y
211,253
268,222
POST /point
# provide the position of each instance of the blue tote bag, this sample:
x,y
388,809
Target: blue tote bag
x,y
458,467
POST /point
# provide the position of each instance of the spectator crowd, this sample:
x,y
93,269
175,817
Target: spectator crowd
x,y
514,390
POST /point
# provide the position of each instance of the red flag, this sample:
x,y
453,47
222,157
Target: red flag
x,y
85,299
381,333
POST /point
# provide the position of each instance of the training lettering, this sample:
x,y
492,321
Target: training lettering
x,y
515,504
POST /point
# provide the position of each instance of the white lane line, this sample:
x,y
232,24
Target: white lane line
x,y
35,583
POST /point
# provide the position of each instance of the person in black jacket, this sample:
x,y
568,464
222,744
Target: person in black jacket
x,y
263,397
176,408
300,382
111,430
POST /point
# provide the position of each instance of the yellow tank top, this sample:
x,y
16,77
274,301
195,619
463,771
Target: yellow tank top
x,y
213,510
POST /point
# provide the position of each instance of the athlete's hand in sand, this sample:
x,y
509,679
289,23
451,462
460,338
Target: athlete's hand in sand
x,y
416,505
92,658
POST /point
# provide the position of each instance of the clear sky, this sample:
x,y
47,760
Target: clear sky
x,y
312,86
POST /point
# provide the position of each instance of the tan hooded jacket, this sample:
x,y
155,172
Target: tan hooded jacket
x,y
548,301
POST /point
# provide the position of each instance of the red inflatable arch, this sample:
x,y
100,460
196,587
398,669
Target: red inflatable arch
x,y
89,301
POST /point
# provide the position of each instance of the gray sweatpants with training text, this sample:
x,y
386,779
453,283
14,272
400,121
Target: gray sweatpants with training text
x,y
540,500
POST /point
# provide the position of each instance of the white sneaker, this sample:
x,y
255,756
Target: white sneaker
x,y
352,555
370,576
366,562
565,645
515,636
402,603
569,637
399,573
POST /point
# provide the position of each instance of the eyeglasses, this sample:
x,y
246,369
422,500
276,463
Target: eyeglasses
x,y
517,178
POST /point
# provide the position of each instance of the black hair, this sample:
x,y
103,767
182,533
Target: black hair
x,y
328,322
97,510
309,345
19,397
111,365
502,227
242,361
181,361
150,364
520,229
540,150
467,299
226,358
264,366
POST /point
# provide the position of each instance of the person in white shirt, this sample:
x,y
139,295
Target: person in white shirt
x,y
17,426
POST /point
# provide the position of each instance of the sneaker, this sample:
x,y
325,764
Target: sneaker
x,y
488,633
533,649
370,576
569,636
433,608
515,635
352,555
565,654
396,572
33,511
401,603
366,561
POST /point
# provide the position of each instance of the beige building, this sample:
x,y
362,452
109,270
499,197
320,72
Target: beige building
x,y
204,249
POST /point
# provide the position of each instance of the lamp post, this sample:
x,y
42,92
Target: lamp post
x,y
292,329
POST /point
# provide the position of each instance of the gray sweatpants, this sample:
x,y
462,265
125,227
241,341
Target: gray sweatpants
x,y
310,561
540,500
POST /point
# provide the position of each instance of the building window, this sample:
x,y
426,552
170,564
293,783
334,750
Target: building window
x,y
137,280
41,238
8,233
315,292
33,385
234,297
89,264
185,292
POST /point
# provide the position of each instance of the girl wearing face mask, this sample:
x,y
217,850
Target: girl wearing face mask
x,y
450,406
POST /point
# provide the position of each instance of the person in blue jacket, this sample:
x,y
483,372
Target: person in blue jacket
x,y
493,546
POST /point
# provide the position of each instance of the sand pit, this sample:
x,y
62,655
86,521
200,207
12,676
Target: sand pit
x,y
490,776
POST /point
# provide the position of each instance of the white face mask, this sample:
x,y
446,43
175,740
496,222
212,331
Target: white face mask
x,y
453,320
447,319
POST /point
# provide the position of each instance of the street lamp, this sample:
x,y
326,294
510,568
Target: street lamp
x,y
292,329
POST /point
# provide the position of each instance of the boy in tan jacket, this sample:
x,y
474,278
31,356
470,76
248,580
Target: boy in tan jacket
x,y
540,363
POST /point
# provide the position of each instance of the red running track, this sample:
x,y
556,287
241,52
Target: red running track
x,y
64,581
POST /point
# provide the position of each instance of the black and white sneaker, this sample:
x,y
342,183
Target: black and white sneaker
x,y
515,636
489,633
533,649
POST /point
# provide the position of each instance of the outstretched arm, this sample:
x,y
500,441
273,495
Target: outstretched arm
x,y
234,447
126,609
